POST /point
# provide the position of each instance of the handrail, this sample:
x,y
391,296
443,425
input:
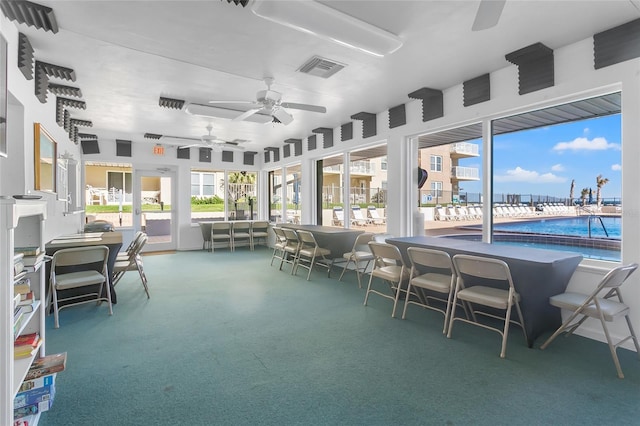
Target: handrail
x,y
601,224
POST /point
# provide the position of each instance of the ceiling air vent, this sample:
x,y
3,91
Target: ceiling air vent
x,y
321,67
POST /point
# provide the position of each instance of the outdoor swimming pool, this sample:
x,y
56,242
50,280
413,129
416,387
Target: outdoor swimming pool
x,y
574,226
566,234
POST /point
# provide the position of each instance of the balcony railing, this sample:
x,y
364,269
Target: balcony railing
x,y
357,167
464,148
465,173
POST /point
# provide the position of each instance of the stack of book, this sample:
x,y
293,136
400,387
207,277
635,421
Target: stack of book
x,y
26,345
32,256
24,303
38,390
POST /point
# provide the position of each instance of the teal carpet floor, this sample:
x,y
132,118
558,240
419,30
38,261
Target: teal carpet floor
x,y
227,339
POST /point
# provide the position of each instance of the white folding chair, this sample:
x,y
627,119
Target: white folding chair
x,y
73,268
471,269
279,244
259,232
359,253
221,232
439,278
132,263
290,249
389,267
241,232
605,303
310,253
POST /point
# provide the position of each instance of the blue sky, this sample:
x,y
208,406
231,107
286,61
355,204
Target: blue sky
x,y
543,161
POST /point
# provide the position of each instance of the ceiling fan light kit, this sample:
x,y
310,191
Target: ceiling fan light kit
x,y
330,24
268,102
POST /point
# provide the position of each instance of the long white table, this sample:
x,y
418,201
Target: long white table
x,y
537,274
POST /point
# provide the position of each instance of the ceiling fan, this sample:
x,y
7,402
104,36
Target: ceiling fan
x,y
270,102
488,14
210,141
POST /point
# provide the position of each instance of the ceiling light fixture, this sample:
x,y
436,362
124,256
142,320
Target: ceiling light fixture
x,y
325,22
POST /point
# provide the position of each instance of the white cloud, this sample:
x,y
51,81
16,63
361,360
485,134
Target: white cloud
x,y
616,167
557,168
521,175
584,144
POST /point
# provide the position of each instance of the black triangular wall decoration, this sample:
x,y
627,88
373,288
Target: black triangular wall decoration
x,y
397,116
476,90
123,148
327,136
616,45
184,153
535,67
369,123
25,56
432,103
346,131
249,157
204,155
312,143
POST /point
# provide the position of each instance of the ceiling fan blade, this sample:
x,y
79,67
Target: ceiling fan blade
x,y
283,116
188,146
488,14
246,114
232,102
231,146
304,107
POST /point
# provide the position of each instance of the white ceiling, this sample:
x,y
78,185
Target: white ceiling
x,y
127,54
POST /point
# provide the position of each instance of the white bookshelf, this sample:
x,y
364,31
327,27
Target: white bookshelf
x,y
21,224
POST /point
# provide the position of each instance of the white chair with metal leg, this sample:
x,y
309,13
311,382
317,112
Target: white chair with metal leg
x,y
221,233
241,232
259,232
310,253
291,247
605,304
279,244
359,254
472,269
132,263
72,268
390,268
439,278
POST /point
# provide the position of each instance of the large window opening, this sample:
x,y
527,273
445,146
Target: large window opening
x,y
366,184
109,193
207,195
560,185
556,180
450,171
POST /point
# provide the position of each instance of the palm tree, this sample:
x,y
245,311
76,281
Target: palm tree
x,y
600,182
583,195
237,192
573,185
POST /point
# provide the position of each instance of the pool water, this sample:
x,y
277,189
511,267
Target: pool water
x,y
587,252
574,226
564,234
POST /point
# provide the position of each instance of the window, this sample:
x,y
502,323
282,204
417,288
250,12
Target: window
x,y
108,193
241,195
275,196
436,189
383,163
207,195
436,163
294,196
566,179
368,197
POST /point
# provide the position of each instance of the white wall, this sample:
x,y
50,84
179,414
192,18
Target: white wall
x,y
574,78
